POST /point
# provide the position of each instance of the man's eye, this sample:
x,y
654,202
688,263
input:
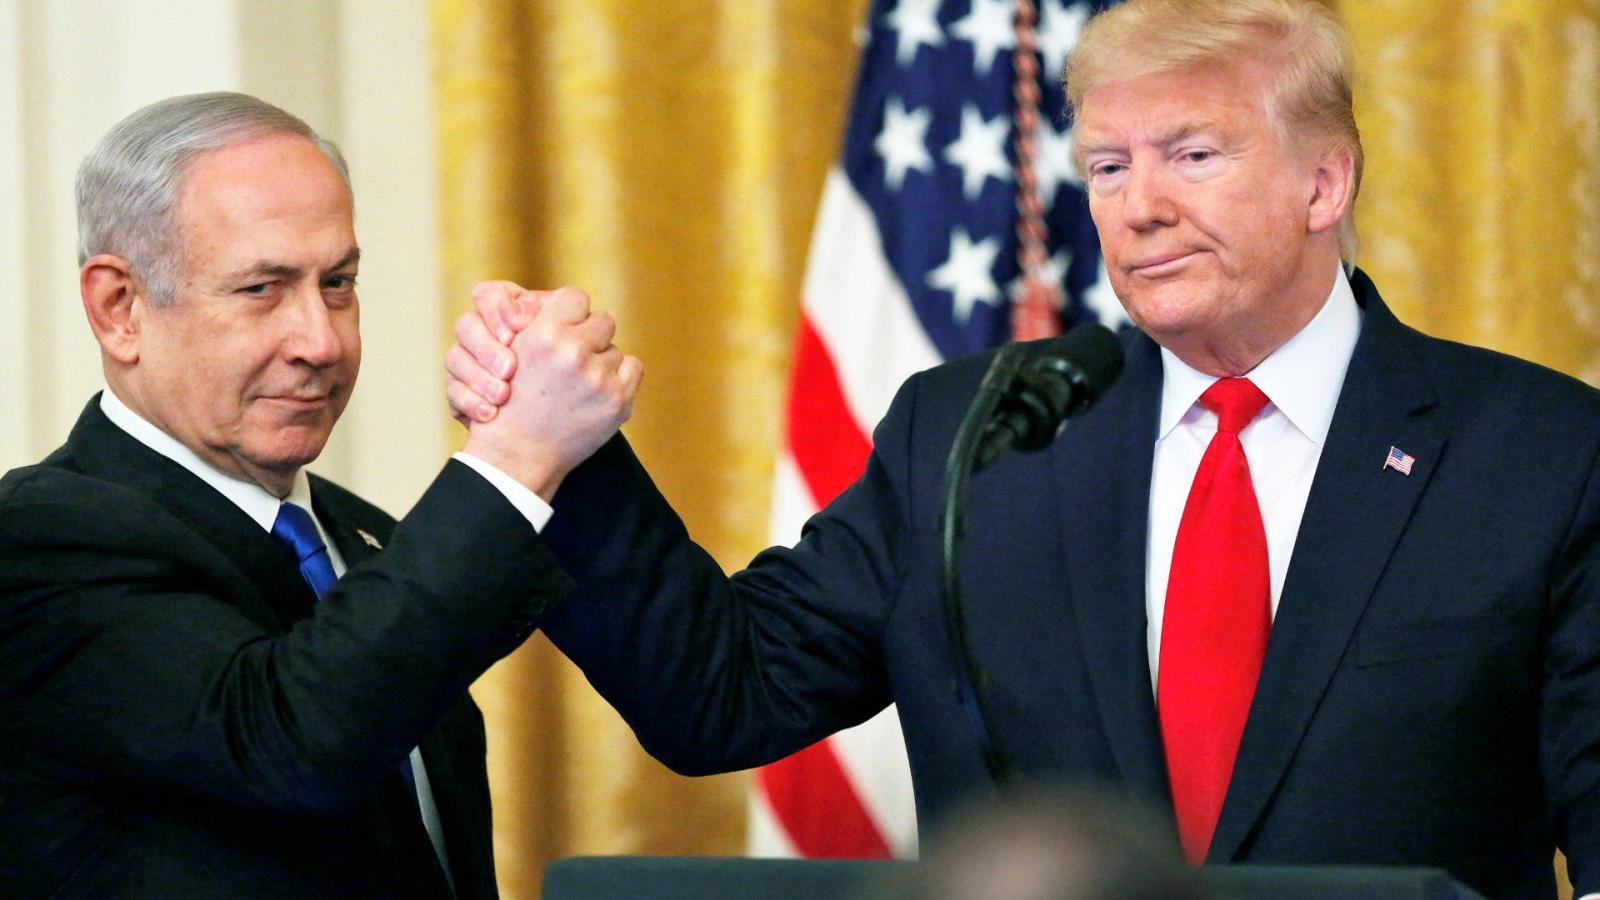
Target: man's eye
x,y
257,289
1197,156
1104,169
339,282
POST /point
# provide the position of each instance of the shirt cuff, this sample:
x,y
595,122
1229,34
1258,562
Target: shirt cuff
x,y
532,507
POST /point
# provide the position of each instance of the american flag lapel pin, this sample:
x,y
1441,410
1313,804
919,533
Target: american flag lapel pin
x,y
1399,460
371,541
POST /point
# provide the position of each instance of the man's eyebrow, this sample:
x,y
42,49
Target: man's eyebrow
x,y
350,258
267,269
1086,145
1182,131
1164,138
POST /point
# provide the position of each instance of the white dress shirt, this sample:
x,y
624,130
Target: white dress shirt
x,y
1302,380
262,507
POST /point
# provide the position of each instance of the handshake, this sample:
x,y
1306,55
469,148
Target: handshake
x,y
537,382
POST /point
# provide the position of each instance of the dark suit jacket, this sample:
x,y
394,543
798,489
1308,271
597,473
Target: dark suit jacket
x,y
180,717
1431,692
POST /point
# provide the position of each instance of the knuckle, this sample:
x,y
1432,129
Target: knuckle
x,y
570,354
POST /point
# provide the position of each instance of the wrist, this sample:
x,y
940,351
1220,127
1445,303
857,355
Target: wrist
x,y
535,471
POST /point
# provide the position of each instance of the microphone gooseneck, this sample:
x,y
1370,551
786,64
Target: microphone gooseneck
x,y
1063,380
1019,406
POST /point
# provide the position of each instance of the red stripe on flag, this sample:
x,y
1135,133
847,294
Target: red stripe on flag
x,y
817,806
828,446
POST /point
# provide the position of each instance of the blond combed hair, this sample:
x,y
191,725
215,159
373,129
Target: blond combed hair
x,y
1302,43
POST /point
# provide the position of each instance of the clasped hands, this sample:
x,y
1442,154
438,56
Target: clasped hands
x,y
537,381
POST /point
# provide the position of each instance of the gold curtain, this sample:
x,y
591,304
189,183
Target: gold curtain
x,y
1480,212
668,158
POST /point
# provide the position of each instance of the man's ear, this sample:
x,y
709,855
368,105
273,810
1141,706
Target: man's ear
x,y
1333,183
115,300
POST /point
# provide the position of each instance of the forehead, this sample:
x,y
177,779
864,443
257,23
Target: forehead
x,y
277,183
1160,107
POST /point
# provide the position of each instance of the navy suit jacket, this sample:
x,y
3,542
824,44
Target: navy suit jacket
x,y
1431,691
180,717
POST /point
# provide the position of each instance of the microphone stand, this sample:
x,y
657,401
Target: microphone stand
x,y
970,679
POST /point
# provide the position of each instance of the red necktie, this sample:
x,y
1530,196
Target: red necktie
x,y
1214,629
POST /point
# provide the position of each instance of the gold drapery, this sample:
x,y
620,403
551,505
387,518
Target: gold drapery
x,y
668,158
1480,212
1479,215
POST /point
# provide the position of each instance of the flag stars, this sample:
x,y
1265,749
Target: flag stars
x,y
991,27
916,23
1053,273
1102,300
967,274
1053,162
980,151
1059,24
903,142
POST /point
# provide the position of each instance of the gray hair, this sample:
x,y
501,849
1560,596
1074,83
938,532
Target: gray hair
x,y
128,185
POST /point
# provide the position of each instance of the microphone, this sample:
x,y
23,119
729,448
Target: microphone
x,y
1069,375
1019,405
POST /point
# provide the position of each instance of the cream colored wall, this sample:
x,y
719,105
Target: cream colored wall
x,y
357,70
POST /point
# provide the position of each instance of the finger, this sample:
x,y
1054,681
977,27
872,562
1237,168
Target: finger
x,y
607,361
596,332
466,405
501,306
521,313
466,371
486,350
567,305
631,373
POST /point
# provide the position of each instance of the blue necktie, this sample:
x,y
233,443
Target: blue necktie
x,y
295,528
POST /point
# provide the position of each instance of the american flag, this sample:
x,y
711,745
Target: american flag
x,y
913,261
1399,460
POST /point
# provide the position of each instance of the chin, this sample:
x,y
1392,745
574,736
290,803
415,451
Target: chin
x,y
1168,312
290,450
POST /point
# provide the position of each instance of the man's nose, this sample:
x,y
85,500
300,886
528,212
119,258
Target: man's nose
x,y
312,338
1147,199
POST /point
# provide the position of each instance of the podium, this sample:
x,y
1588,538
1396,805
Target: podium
x,y
710,878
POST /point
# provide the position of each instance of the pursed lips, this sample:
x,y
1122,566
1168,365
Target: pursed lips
x,y
1160,264
301,400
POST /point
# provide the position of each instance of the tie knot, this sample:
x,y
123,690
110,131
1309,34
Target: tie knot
x,y
295,528
1236,401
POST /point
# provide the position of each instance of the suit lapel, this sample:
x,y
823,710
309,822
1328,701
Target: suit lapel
x,y
356,540
1353,518
260,575
1103,477
359,535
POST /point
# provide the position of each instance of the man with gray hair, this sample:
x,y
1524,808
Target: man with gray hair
x,y
1323,587
221,676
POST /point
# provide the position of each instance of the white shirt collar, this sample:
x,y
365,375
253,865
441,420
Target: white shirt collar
x,y
1302,378
256,502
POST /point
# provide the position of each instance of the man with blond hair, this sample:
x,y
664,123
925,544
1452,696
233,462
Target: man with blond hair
x,y
1324,587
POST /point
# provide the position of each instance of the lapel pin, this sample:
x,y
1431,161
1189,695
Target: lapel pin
x,y
373,542
1398,460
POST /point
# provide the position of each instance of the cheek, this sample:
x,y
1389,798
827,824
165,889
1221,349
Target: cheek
x,y
352,348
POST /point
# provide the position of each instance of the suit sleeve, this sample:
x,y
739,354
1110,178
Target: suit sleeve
x,y
1571,704
716,673
120,659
